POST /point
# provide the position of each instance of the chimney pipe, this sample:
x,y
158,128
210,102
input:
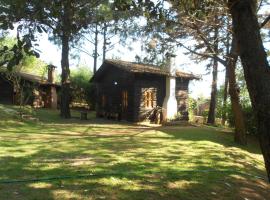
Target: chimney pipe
x,y
51,73
171,63
170,103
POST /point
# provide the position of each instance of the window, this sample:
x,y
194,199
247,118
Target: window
x,y
125,99
103,101
149,99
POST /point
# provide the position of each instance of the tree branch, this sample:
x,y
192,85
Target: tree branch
x,y
84,51
267,19
213,56
87,39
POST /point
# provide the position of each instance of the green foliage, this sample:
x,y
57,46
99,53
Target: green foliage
x,y
205,113
81,87
28,63
220,109
14,12
5,44
250,120
33,65
249,116
192,106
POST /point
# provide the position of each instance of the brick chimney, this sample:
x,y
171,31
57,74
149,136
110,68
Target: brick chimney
x,y
52,93
51,73
170,103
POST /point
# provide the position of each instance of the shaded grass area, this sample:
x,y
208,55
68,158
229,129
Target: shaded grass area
x,y
125,161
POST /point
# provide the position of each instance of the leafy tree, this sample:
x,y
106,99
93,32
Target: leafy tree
x,y
33,65
6,43
65,19
11,12
28,63
110,22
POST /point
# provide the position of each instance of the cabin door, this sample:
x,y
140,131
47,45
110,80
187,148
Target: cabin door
x,y
124,104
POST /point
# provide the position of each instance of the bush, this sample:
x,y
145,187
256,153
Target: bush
x,y
249,117
250,120
81,87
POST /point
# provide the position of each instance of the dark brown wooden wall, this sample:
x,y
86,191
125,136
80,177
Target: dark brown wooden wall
x,y
136,84
113,93
142,83
181,94
6,91
7,95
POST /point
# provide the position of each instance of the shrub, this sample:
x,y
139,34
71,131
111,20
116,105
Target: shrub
x,y
81,87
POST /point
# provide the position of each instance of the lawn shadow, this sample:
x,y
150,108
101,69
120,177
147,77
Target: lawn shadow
x,y
213,134
110,160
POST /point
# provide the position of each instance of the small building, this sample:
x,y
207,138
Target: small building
x,y
41,92
136,89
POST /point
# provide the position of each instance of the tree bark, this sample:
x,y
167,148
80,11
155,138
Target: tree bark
x,y
65,90
65,76
240,136
213,101
256,67
212,110
104,41
96,48
226,83
225,97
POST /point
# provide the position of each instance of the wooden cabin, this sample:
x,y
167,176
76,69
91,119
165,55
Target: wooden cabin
x,y
133,89
43,91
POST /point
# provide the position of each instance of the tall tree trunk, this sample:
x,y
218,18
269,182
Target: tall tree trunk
x,y
240,136
225,97
104,41
226,83
65,77
256,67
212,110
96,48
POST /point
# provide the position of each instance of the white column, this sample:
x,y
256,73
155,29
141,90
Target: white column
x,y
170,103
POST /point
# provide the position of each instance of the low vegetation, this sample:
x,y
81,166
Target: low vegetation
x,y
99,159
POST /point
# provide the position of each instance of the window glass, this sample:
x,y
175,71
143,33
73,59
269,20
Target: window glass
x,y
149,99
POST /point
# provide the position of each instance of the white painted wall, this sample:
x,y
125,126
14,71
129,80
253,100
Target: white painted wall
x,y
170,103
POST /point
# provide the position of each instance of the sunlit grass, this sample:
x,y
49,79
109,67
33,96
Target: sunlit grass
x,y
107,160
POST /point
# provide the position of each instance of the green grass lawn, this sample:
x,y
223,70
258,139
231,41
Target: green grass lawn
x,y
101,159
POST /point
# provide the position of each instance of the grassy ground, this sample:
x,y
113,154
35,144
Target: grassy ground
x,y
99,159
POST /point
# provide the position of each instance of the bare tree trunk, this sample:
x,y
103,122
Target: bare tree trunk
x,y
212,110
256,67
226,83
240,136
225,97
65,77
104,41
96,48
